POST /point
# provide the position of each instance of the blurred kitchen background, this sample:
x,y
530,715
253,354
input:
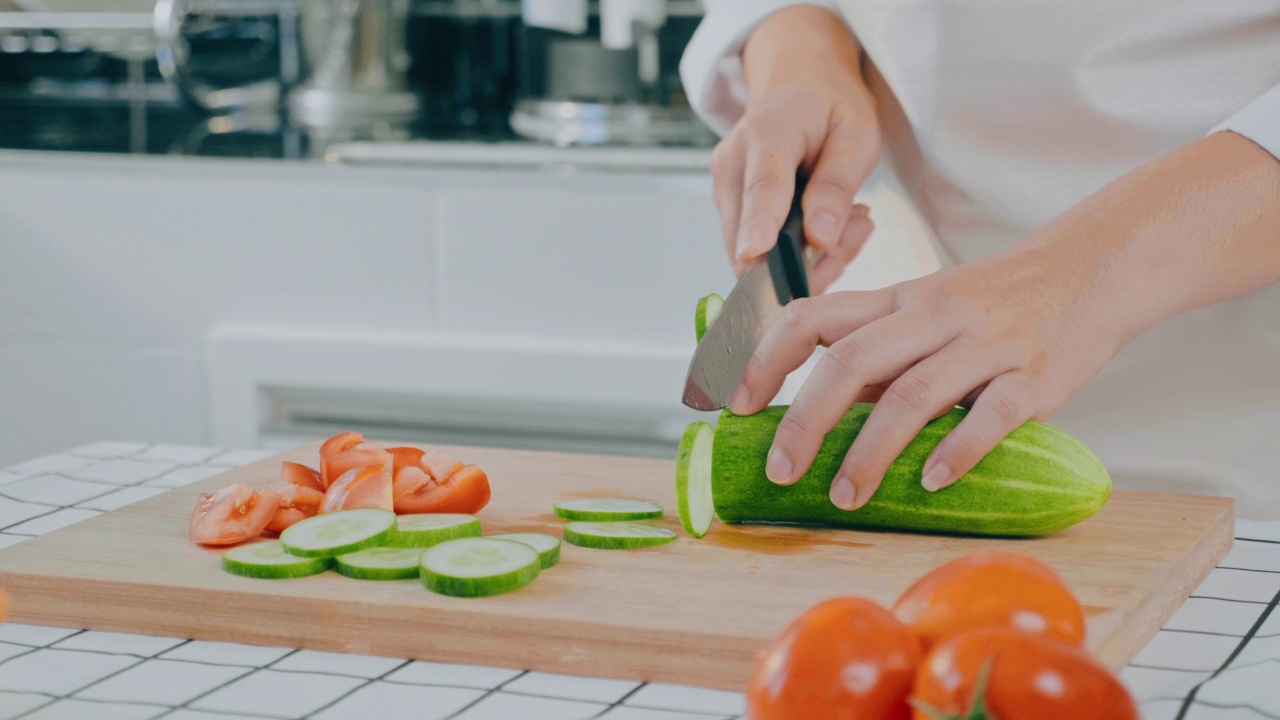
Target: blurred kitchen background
x,y
252,222
247,222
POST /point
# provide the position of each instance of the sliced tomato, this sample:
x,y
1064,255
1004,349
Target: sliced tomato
x,y
285,517
1030,677
440,464
991,590
368,487
418,491
232,515
301,475
349,450
402,457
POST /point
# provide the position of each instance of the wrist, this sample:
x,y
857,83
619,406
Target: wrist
x,y
801,44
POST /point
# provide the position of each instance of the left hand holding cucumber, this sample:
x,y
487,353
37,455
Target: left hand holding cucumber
x,y
1015,336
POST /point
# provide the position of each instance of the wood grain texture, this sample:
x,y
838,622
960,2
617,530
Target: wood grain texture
x,y
693,611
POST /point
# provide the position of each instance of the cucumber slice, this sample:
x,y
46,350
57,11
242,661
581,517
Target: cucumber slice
x,y
425,530
708,309
608,510
693,479
616,535
269,559
380,563
547,546
477,567
339,533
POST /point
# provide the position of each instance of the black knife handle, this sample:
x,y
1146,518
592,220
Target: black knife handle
x,y
786,259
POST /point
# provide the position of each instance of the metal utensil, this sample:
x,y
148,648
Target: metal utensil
x,y
774,280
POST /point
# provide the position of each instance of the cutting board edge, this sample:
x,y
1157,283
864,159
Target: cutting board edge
x,y
569,646
1198,561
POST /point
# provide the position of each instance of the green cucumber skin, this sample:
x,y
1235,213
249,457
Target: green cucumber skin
x,y
358,573
416,539
470,587
1036,482
606,516
597,542
376,541
276,572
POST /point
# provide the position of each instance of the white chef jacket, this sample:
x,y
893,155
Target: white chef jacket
x,y
1001,114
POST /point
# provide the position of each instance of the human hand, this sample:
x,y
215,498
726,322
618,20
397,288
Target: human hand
x,y
1015,336
808,109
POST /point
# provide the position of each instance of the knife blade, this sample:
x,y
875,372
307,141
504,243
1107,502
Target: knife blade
x,y
774,280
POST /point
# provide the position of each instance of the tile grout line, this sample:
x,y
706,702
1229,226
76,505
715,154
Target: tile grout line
x,y
487,694
1262,619
357,688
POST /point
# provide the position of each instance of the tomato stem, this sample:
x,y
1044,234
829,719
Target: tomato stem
x,y
979,711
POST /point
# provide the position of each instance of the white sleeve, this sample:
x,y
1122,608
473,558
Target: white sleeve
x,y
1259,121
711,68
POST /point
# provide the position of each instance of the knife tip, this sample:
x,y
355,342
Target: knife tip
x,y
698,398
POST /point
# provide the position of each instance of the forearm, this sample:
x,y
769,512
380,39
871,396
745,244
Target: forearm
x,y
1196,227
798,41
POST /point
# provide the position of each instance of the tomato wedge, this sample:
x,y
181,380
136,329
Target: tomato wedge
x,y
419,491
1030,677
402,457
368,487
232,515
441,464
991,590
296,503
301,475
346,451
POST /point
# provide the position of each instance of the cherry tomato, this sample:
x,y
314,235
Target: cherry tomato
x,y
843,659
991,589
418,491
1030,677
349,450
232,515
368,487
301,475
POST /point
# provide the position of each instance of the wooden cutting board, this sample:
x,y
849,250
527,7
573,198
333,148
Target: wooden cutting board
x,y
693,611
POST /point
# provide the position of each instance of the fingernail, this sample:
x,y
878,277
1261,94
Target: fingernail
x,y
778,468
752,242
824,226
843,494
741,397
936,477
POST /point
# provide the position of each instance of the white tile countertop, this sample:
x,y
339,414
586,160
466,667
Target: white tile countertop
x,y
1217,658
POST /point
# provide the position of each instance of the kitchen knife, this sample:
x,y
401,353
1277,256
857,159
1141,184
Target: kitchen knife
x,y
774,280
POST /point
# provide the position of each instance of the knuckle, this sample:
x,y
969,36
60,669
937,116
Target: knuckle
x,y
762,185
797,316
913,393
834,190
722,158
1007,409
793,425
847,356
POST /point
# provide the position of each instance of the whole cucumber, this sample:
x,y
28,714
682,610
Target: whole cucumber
x,y
1037,481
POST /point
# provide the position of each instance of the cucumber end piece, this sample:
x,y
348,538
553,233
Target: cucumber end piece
x,y
708,309
693,479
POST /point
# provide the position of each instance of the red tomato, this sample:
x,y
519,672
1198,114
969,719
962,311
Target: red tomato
x,y
404,457
346,451
440,464
843,659
232,515
300,475
296,503
368,487
991,589
418,491
1031,678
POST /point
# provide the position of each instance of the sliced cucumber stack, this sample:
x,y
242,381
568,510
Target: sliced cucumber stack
x,y
547,546
616,535
478,567
339,533
380,563
693,479
708,309
423,531
608,510
269,559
